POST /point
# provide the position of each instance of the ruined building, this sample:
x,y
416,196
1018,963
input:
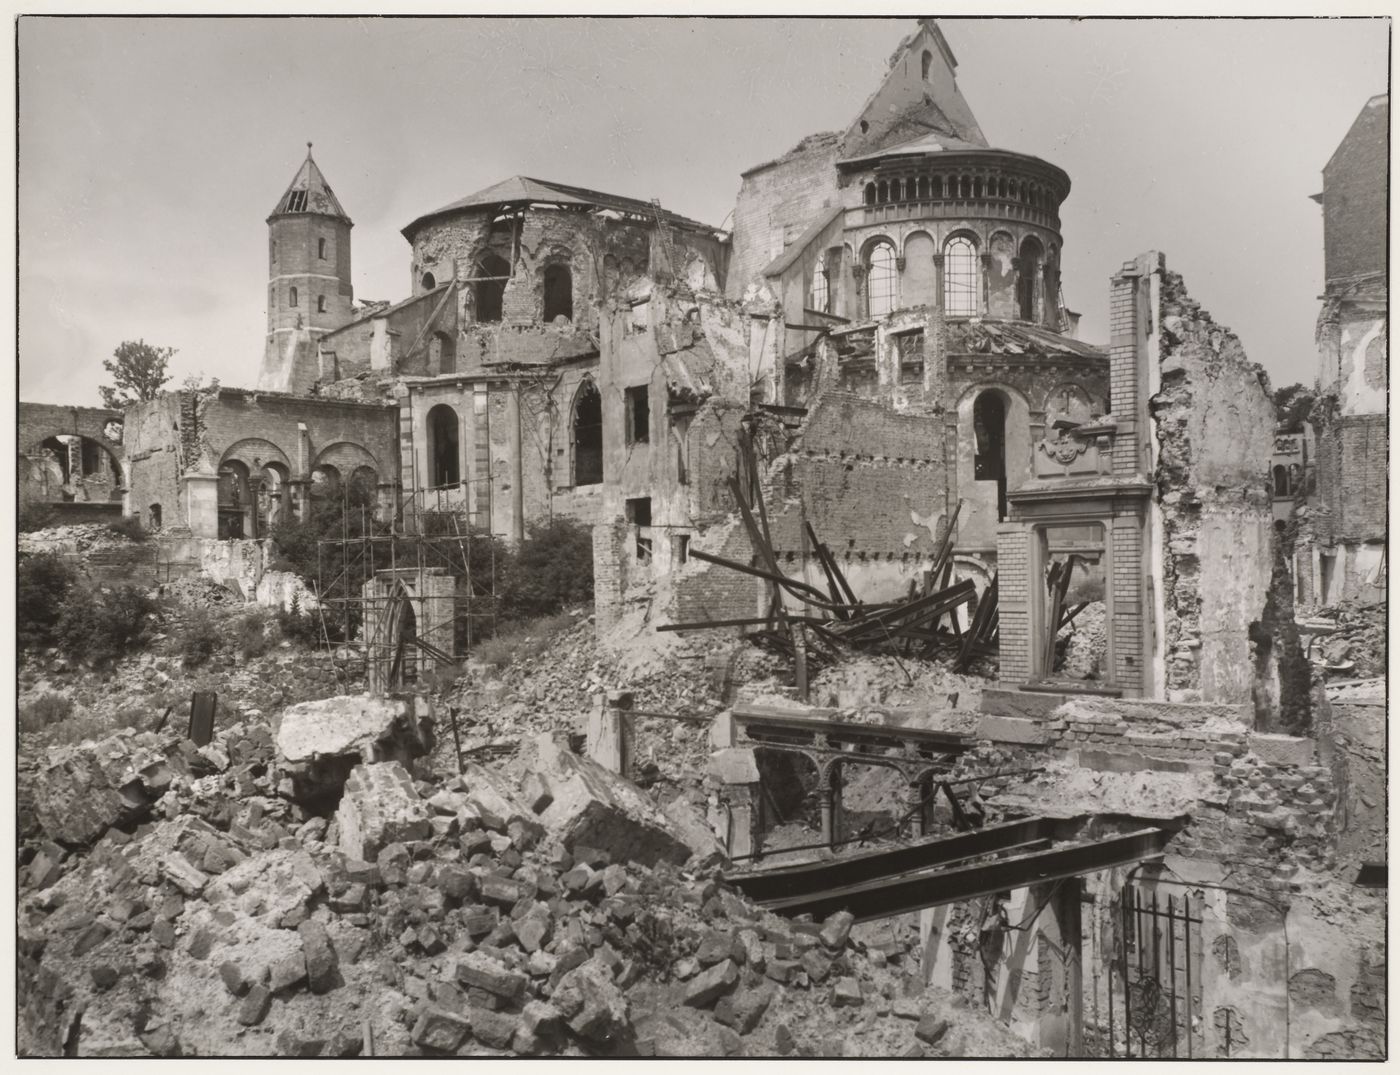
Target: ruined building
x,y
1341,549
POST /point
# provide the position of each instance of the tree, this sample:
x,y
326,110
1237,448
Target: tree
x,y
139,370
1291,406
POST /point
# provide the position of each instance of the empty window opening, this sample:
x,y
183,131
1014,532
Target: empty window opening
x,y
442,354
588,435
274,497
492,274
638,415
321,249
429,281
153,514
910,349
882,279
558,293
320,304
937,186
821,290
923,188
274,251
870,194
639,517
925,61
977,187
1282,487
1028,277
235,505
882,192
966,187
960,278
989,433
292,297
680,545
1072,638
444,467
896,190
296,201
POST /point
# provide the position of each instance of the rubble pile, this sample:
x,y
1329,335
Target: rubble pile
x,y
1357,647
467,915
72,540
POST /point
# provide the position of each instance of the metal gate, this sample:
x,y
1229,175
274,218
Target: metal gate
x,y
1154,995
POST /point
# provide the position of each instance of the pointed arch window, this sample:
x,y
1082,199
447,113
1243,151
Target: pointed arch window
x,y
960,278
925,61
821,287
882,279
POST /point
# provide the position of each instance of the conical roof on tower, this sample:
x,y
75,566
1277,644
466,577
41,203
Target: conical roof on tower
x,y
309,193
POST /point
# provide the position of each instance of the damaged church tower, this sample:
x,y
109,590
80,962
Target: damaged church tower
x,y
308,291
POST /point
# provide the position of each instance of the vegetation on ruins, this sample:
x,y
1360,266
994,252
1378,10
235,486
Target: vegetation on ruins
x,y
139,370
42,584
1292,403
98,626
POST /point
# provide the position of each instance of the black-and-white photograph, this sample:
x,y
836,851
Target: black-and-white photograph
x,y
790,537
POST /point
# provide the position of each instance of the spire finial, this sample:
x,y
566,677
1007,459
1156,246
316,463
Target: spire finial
x,y
308,150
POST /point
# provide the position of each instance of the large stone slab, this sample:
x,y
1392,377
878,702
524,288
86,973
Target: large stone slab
x,y
87,788
595,808
319,742
380,807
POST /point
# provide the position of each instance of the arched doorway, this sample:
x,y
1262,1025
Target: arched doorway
x,y
237,512
989,431
588,435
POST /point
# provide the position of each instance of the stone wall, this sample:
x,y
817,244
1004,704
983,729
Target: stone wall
x,y
1213,423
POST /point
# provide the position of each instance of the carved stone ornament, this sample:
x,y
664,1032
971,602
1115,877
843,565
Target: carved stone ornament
x,y
1063,449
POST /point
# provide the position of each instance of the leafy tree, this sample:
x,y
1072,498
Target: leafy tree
x,y
41,588
1291,406
139,370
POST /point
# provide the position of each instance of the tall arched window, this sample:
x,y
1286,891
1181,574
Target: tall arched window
x,y
925,61
1281,488
882,192
292,297
821,287
960,277
588,435
882,279
896,190
558,292
491,272
870,194
1032,262
443,466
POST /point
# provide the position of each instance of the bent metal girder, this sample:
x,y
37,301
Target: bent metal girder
x,y
889,888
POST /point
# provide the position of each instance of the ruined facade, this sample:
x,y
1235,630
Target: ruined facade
x,y
71,462
1341,553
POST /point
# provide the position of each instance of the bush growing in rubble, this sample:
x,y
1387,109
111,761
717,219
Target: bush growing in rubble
x,y
298,625
201,639
43,711
42,583
251,634
98,626
551,570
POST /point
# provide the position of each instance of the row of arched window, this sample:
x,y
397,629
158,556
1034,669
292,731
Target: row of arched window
x,y
962,282
937,187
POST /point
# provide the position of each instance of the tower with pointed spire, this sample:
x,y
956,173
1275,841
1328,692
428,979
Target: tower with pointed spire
x,y
308,290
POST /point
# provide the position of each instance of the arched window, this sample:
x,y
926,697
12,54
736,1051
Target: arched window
x,y
977,187
925,61
1032,263
443,466
320,304
153,517
882,280
882,193
588,435
236,518
492,272
429,281
870,194
1281,488
558,292
966,185
292,298
821,287
989,436
896,189
923,188
325,480
938,186
960,277
321,249
1001,188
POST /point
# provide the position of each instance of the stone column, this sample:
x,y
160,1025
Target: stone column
x,y
938,281
610,732
517,466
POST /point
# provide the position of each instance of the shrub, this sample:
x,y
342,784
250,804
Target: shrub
x,y
129,526
297,625
201,639
42,583
35,515
522,641
251,634
45,710
99,626
550,571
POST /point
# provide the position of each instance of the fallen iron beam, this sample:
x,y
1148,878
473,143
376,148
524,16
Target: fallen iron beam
x,y
816,597
813,878
882,897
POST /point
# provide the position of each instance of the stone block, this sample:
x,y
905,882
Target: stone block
x,y
479,971
495,1030
1282,749
597,809
319,742
836,929
440,1031
322,967
690,825
1005,729
594,1006
846,993
743,1009
255,1006
709,985
380,806
734,765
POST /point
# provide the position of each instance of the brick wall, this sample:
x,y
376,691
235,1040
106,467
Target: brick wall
x,y
1013,599
1353,477
1354,195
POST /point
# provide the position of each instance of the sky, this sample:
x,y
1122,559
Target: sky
x,y
152,150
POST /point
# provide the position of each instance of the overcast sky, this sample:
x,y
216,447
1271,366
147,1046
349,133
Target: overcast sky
x,y
152,150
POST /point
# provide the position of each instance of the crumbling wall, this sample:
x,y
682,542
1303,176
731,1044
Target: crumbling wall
x,y
1214,423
